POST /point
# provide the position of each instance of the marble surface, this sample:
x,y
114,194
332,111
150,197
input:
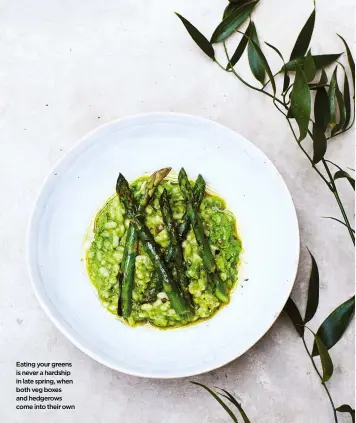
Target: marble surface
x,y
69,66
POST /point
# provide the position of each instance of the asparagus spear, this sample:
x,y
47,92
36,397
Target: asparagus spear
x,y
196,223
155,179
176,247
183,228
128,272
198,192
175,295
198,196
204,248
130,251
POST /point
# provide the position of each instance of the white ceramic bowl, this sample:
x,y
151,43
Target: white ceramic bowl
x,y
82,182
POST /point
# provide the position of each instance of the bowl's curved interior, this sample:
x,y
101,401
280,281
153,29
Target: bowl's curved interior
x,y
85,178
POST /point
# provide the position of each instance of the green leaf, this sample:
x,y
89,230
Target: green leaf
x,y
332,99
347,100
313,291
265,64
198,37
309,67
321,109
326,363
301,102
335,325
256,64
232,22
293,313
223,405
239,2
286,81
324,60
276,50
290,114
240,48
350,59
319,144
322,117
263,61
233,400
322,81
347,409
302,44
338,220
343,174
321,61
342,110
229,8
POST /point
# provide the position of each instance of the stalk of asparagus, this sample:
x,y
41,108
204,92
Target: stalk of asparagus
x,y
176,246
153,250
198,196
183,228
204,248
128,271
130,251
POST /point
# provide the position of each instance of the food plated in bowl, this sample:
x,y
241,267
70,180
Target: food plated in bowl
x,y
82,183
164,251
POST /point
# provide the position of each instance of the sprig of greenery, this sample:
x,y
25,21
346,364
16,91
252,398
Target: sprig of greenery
x,y
303,74
328,334
225,394
333,108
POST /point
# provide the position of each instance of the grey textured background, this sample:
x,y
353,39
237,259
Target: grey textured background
x,y
67,67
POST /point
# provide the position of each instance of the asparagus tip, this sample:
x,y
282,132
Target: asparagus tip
x,y
182,172
121,181
159,175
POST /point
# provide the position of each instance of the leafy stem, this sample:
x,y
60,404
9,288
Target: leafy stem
x,y
334,190
321,379
333,109
333,112
330,183
347,222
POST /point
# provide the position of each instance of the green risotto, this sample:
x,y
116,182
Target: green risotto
x,y
149,299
